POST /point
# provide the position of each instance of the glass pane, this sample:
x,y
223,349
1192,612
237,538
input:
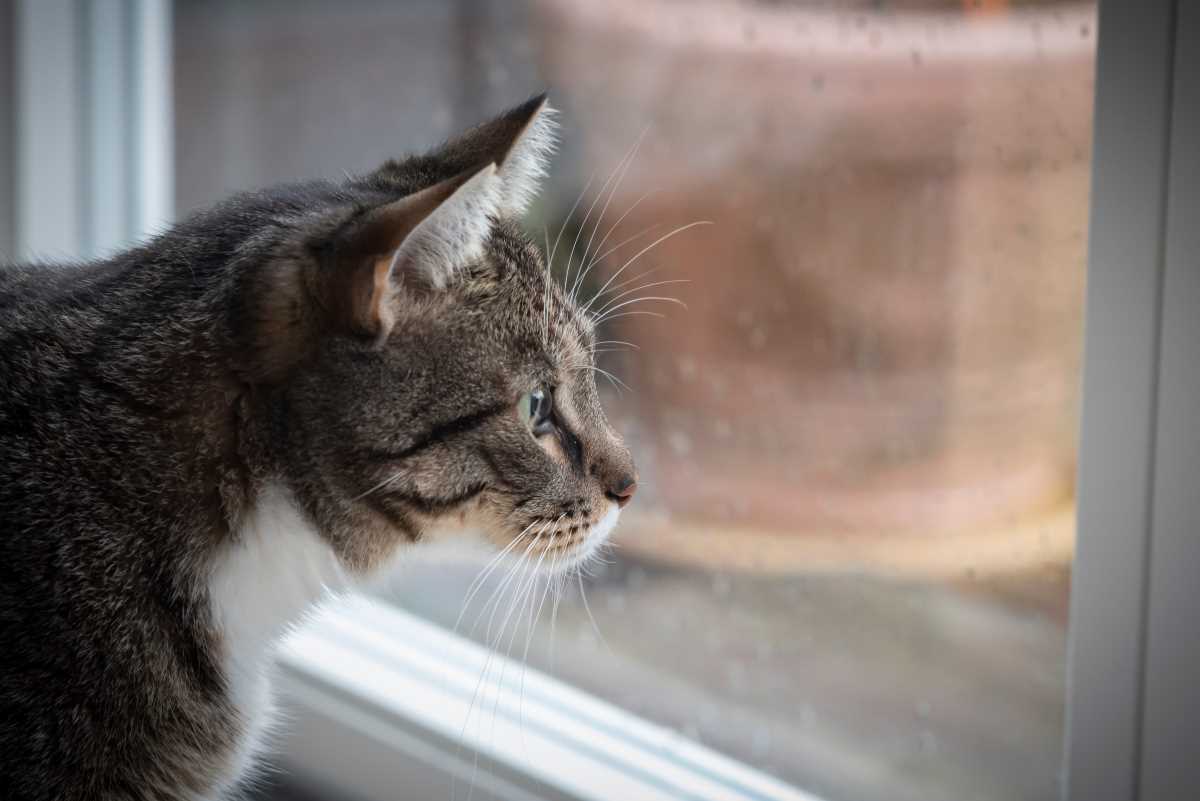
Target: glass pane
x,y
848,564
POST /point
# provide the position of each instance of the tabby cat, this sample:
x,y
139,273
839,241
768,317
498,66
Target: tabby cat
x,y
202,435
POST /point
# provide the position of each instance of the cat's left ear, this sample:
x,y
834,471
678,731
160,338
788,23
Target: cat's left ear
x,y
519,142
345,283
421,242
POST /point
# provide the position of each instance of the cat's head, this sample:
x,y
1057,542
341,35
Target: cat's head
x,y
423,373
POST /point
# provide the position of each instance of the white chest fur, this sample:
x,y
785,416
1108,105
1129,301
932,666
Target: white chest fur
x,y
277,570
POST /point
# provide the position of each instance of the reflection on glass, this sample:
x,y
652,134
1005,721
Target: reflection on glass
x,y
848,562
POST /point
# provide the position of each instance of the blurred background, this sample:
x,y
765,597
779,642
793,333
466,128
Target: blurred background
x,y
849,561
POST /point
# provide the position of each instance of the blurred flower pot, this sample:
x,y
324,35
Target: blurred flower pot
x,y
881,349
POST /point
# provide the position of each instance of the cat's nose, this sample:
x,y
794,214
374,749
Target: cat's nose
x,y
622,491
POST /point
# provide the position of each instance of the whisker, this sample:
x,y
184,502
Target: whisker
x,y
599,318
649,247
394,477
628,160
631,345
625,242
588,216
614,226
587,608
560,584
546,289
524,564
631,313
498,593
639,288
486,669
617,383
530,630
574,206
523,595
596,557
622,284
482,575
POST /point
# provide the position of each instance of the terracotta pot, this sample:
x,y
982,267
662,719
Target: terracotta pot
x,y
883,334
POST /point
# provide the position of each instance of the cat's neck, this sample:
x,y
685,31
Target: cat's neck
x,y
266,578
262,581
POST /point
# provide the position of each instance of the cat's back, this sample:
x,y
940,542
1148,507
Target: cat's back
x,y
28,290
50,318
47,312
96,633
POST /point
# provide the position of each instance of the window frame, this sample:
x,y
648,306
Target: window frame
x,y
86,115
1133,708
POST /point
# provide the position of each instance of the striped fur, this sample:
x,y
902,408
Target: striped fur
x,y
201,434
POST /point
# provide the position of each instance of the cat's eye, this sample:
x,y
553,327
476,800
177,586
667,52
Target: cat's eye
x,y
535,408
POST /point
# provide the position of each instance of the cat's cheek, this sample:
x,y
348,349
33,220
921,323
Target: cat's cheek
x,y
471,525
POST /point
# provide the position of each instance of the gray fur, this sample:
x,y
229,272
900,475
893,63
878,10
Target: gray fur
x,y
147,398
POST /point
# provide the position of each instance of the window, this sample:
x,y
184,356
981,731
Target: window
x,y
849,563
848,571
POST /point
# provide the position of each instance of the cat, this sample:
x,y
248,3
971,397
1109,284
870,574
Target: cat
x,y
203,435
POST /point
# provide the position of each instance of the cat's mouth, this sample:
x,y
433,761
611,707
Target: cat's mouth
x,y
562,543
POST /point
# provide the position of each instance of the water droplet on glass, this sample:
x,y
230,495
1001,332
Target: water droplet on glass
x,y
680,443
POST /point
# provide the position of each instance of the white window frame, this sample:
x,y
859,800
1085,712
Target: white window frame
x,y
89,112
374,687
85,137
1133,703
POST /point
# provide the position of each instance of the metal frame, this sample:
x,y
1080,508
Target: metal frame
x,y
8,91
1171,668
1133,704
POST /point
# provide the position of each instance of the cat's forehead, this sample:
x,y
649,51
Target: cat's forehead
x,y
536,302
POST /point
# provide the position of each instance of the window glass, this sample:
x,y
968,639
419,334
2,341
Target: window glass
x,y
848,562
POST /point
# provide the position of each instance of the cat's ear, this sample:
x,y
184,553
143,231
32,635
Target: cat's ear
x,y
420,241
520,142
413,244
